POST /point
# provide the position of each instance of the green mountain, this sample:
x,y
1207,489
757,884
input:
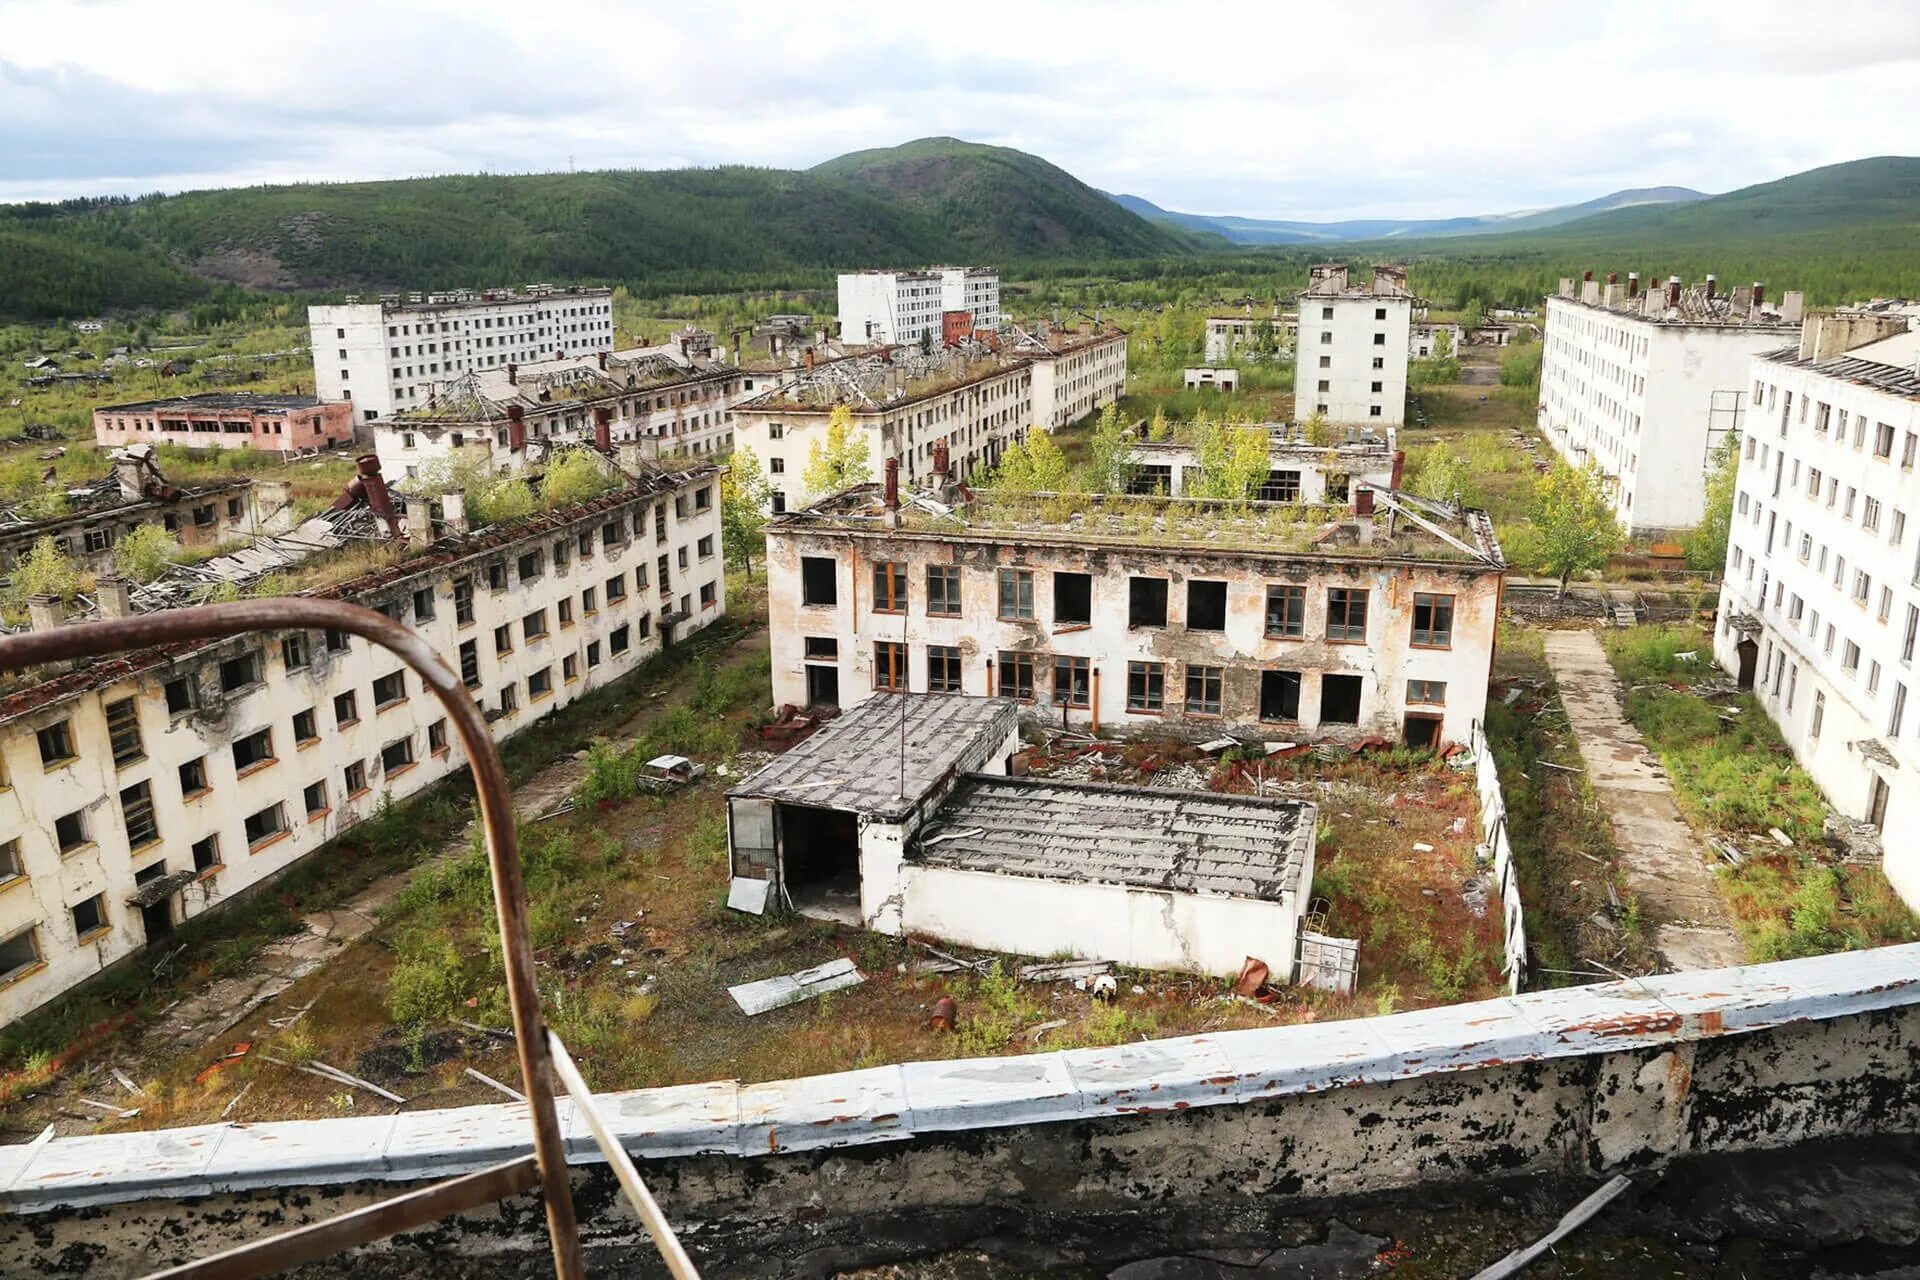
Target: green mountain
x,y
934,200
992,197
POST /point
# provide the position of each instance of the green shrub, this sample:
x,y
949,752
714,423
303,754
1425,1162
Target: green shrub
x,y
427,986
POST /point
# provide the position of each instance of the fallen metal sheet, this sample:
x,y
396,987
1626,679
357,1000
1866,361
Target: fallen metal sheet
x,y
840,1110
791,988
1151,1075
749,895
1064,971
679,1120
972,1093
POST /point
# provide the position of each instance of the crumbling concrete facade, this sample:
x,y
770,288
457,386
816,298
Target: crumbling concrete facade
x,y
1352,348
1194,1140
1312,475
1135,613
227,420
146,790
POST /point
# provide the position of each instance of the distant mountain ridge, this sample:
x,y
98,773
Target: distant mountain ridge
x,y
1262,231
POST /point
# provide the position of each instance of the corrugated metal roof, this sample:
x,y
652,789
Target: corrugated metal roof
x,y
884,755
1152,838
883,1104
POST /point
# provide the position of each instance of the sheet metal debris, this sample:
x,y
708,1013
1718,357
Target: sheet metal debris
x,y
755,998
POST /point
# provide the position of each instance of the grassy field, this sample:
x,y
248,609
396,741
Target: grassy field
x,y
1734,776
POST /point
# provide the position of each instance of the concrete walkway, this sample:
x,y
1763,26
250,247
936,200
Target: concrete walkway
x,y
1661,855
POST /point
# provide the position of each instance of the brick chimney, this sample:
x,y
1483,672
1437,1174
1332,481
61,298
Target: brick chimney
x,y
1759,295
374,485
115,597
1633,284
603,428
1673,291
513,374
516,429
893,484
1399,465
941,459
1363,499
1713,286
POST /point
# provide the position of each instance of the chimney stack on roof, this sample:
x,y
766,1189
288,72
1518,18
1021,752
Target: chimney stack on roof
x,y
114,596
603,361
1673,291
419,523
513,374
941,459
603,428
893,484
1633,284
1759,296
46,612
374,486
516,428
453,510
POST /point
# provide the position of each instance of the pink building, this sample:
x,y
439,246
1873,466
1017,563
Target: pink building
x,y
227,420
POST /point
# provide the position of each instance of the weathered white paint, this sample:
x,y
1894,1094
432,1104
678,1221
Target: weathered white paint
x,y
1139,928
906,306
1819,572
1351,360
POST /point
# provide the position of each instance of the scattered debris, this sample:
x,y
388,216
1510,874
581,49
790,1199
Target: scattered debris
x,y
749,895
1104,987
1034,1033
1253,976
946,1014
1563,768
1780,837
480,1030
776,993
1421,846
978,966
489,1081
335,1074
234,1101
125,1082
121,1112
1064,971
1219,745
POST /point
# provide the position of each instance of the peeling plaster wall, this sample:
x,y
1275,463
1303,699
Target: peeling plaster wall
x,y
880,1163
1385,662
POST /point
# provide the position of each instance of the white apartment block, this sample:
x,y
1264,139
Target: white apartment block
x,y
142,793
1141,613
909,306
1646,384
386,355
1820,607
974,403
519,412
1247,336
1351,361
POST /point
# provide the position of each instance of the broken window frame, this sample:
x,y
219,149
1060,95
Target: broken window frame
x,y
946,671
123,733
1210,683
1015,589
1279,486
1072,682
889,666
1347,615
943,590
1063,578
1146,688
1280,675
137,814
889,586
1291,616
1016,675
1438,610
1426,693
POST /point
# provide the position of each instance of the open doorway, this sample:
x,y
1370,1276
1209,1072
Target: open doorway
x,y
820,861
1422,730
823,686
1749,654
157,918
1877,802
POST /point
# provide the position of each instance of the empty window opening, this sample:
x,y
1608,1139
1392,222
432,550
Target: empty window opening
x,y
819,581
1206,606
1279,695
1146,602
1072,599
1339,699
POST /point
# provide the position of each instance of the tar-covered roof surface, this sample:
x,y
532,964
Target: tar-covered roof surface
x,y
882,756
1146,837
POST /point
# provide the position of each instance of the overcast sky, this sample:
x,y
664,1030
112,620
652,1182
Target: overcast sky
x,y
1322,110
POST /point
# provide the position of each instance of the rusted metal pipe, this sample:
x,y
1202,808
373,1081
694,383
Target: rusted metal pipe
x,y
300,613
379,501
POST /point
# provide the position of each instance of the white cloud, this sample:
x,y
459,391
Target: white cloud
x,y
1410,109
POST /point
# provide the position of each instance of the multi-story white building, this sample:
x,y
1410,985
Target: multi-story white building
x,y
1820,606
1645,384
1337,623
386,355
1351,354
518,412
1247,336
974,401
141,793
909,306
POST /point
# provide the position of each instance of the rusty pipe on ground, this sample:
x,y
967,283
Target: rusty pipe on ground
x,y
294,613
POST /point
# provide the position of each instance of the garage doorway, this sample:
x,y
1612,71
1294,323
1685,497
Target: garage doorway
x,y
820,861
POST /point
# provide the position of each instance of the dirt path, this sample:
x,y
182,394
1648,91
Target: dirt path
x,y
1659,852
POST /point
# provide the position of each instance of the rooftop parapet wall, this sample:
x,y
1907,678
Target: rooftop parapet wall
x,y
1583,1080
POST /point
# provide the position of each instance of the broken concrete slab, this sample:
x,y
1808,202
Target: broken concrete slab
x,y
791,988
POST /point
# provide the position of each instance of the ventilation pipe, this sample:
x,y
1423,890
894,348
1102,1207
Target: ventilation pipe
x,y
374,486
603,428
1399,465
516,429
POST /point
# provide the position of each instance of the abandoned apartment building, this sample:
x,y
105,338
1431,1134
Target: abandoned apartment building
x,y
902,816
975,397
228,420
141,791
135,493
1116,611
515,413
1297,471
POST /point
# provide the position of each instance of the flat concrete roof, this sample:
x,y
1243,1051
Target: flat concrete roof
x,y
882,756
1146,837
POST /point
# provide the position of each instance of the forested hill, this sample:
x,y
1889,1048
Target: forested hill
x,y
930,201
